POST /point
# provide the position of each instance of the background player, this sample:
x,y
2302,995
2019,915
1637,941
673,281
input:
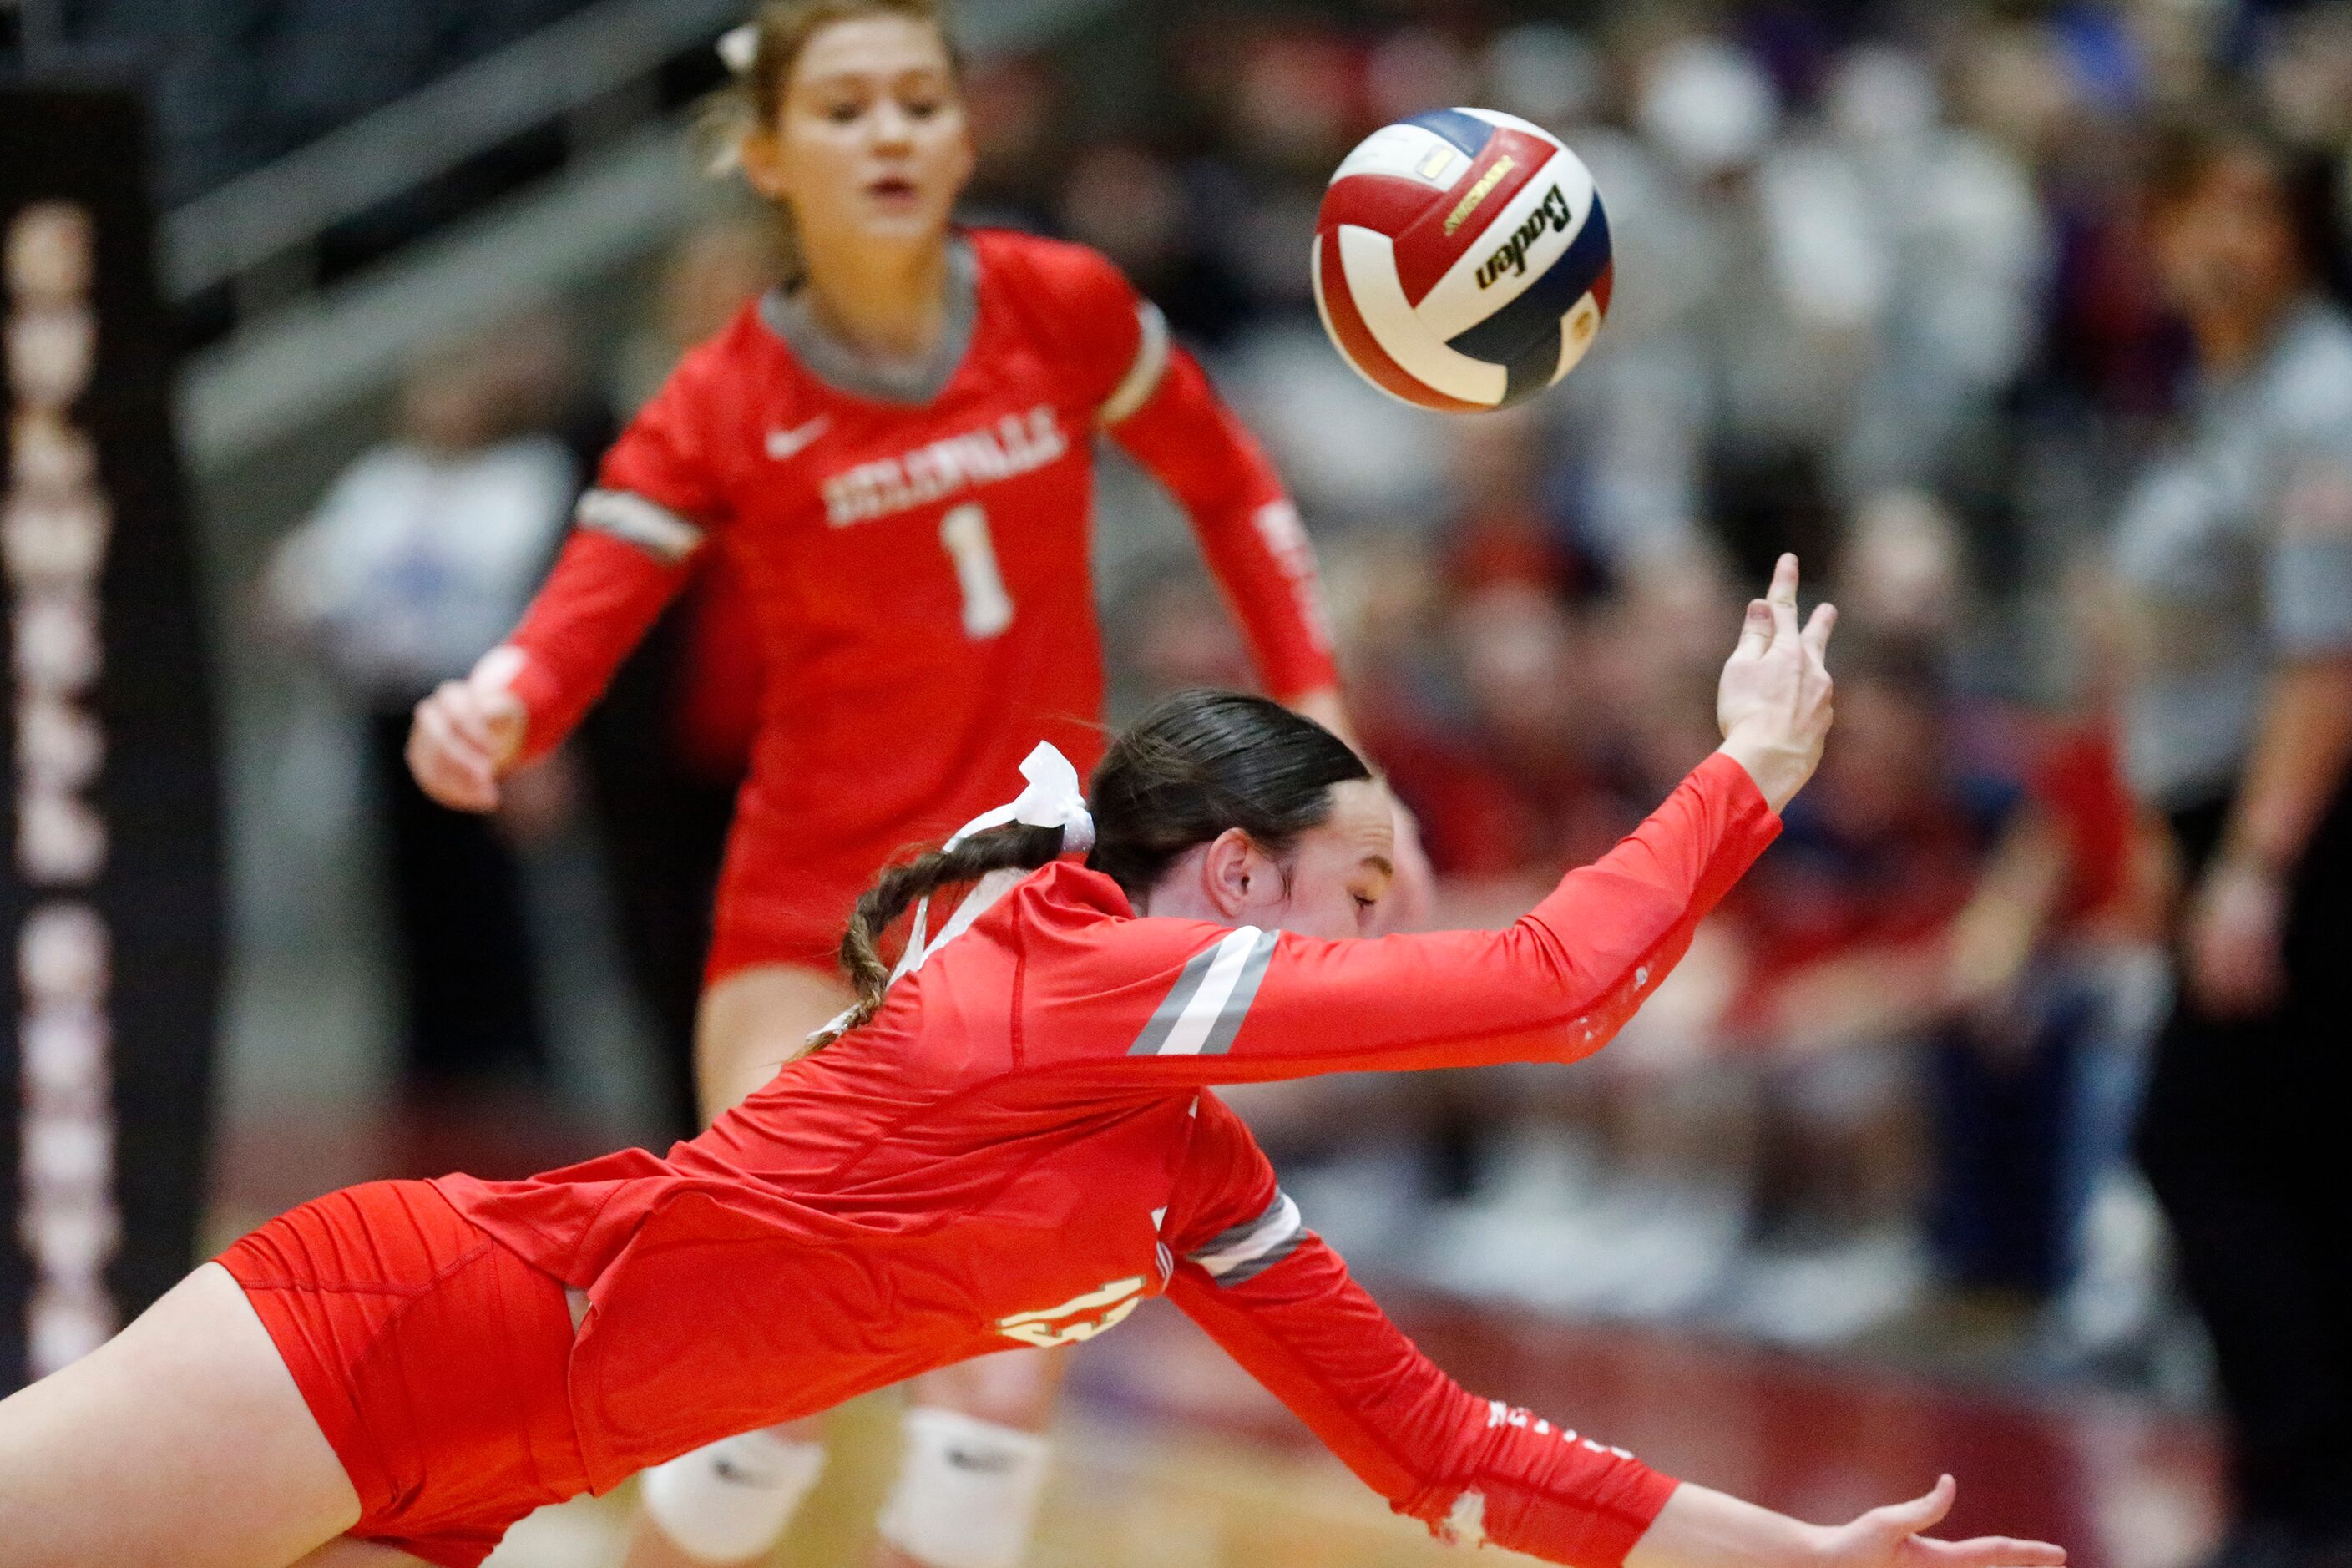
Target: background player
x,y
894,452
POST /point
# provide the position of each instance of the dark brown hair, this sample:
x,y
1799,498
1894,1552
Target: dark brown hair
x,y
1193,766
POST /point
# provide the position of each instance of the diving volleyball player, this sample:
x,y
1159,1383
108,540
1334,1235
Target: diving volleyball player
x,y
1013,1141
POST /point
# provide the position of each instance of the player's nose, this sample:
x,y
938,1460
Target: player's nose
x,y
892,126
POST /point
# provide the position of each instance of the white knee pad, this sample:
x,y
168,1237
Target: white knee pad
x,y
967,1491
731,1500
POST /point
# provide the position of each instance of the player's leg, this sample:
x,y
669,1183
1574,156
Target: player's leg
x,y
183,1441
755,1020
729,1501
967,1491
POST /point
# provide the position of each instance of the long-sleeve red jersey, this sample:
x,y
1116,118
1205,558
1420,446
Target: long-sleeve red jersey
x,y
1022,1147
918,573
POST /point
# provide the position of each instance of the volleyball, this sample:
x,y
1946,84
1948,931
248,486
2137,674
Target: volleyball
x,y
1462,259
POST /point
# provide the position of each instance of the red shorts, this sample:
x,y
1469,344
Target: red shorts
x,y
433,1357
747,930
780,901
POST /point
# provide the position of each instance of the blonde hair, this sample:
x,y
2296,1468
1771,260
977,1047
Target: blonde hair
x,y
760,55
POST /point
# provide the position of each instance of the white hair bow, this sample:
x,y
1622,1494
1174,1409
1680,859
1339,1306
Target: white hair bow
x,y
1052,799
739,47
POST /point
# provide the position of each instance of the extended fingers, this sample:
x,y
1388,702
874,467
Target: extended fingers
x,y
1992,1551
1817,632
1782,596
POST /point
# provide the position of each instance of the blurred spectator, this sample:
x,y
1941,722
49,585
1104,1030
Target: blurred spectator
x,y
2236,551
420,557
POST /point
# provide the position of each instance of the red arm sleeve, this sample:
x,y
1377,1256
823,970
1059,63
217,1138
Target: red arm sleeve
x,y
1555,986
1249,533
595,606
1154,400
657,493
1282,1304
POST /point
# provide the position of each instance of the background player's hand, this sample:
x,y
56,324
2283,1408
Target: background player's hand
x,y
467,732
1773,702
1892,1537
2234,947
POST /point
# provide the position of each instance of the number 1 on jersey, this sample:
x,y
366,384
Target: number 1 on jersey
x,y
987,607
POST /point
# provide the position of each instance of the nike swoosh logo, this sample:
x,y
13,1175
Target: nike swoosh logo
x,y
986,1464
783,444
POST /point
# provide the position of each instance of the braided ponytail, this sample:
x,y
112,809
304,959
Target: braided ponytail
x,y
1013,847
1192,767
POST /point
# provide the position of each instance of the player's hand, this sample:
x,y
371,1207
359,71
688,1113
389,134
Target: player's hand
x,y
1773,702
467,732
1894,1537
2235,943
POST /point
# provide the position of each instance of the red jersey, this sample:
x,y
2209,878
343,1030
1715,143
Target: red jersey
x,y
917,573
1021,1148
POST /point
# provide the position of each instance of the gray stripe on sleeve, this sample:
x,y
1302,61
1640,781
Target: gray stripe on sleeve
x,y
1155,1033
1242,1274
629,517
1233,1236
1237,1003
1249,1249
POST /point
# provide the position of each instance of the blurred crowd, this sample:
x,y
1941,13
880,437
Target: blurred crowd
x,y
1884,295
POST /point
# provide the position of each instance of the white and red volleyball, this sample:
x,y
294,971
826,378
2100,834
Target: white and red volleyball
x,y
1462,259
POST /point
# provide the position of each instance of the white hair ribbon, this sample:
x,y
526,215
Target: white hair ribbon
x,y
739,47
1052,799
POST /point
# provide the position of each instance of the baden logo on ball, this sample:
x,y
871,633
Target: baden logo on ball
x,y
1462,259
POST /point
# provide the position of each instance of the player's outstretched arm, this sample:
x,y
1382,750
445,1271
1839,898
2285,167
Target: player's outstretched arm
x,y
1704,1529
1281,1303
1474,1470
1554,986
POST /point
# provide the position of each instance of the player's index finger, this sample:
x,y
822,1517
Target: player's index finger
x,y
1782,596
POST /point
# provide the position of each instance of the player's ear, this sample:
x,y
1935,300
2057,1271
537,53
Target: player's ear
x,y
1231,871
